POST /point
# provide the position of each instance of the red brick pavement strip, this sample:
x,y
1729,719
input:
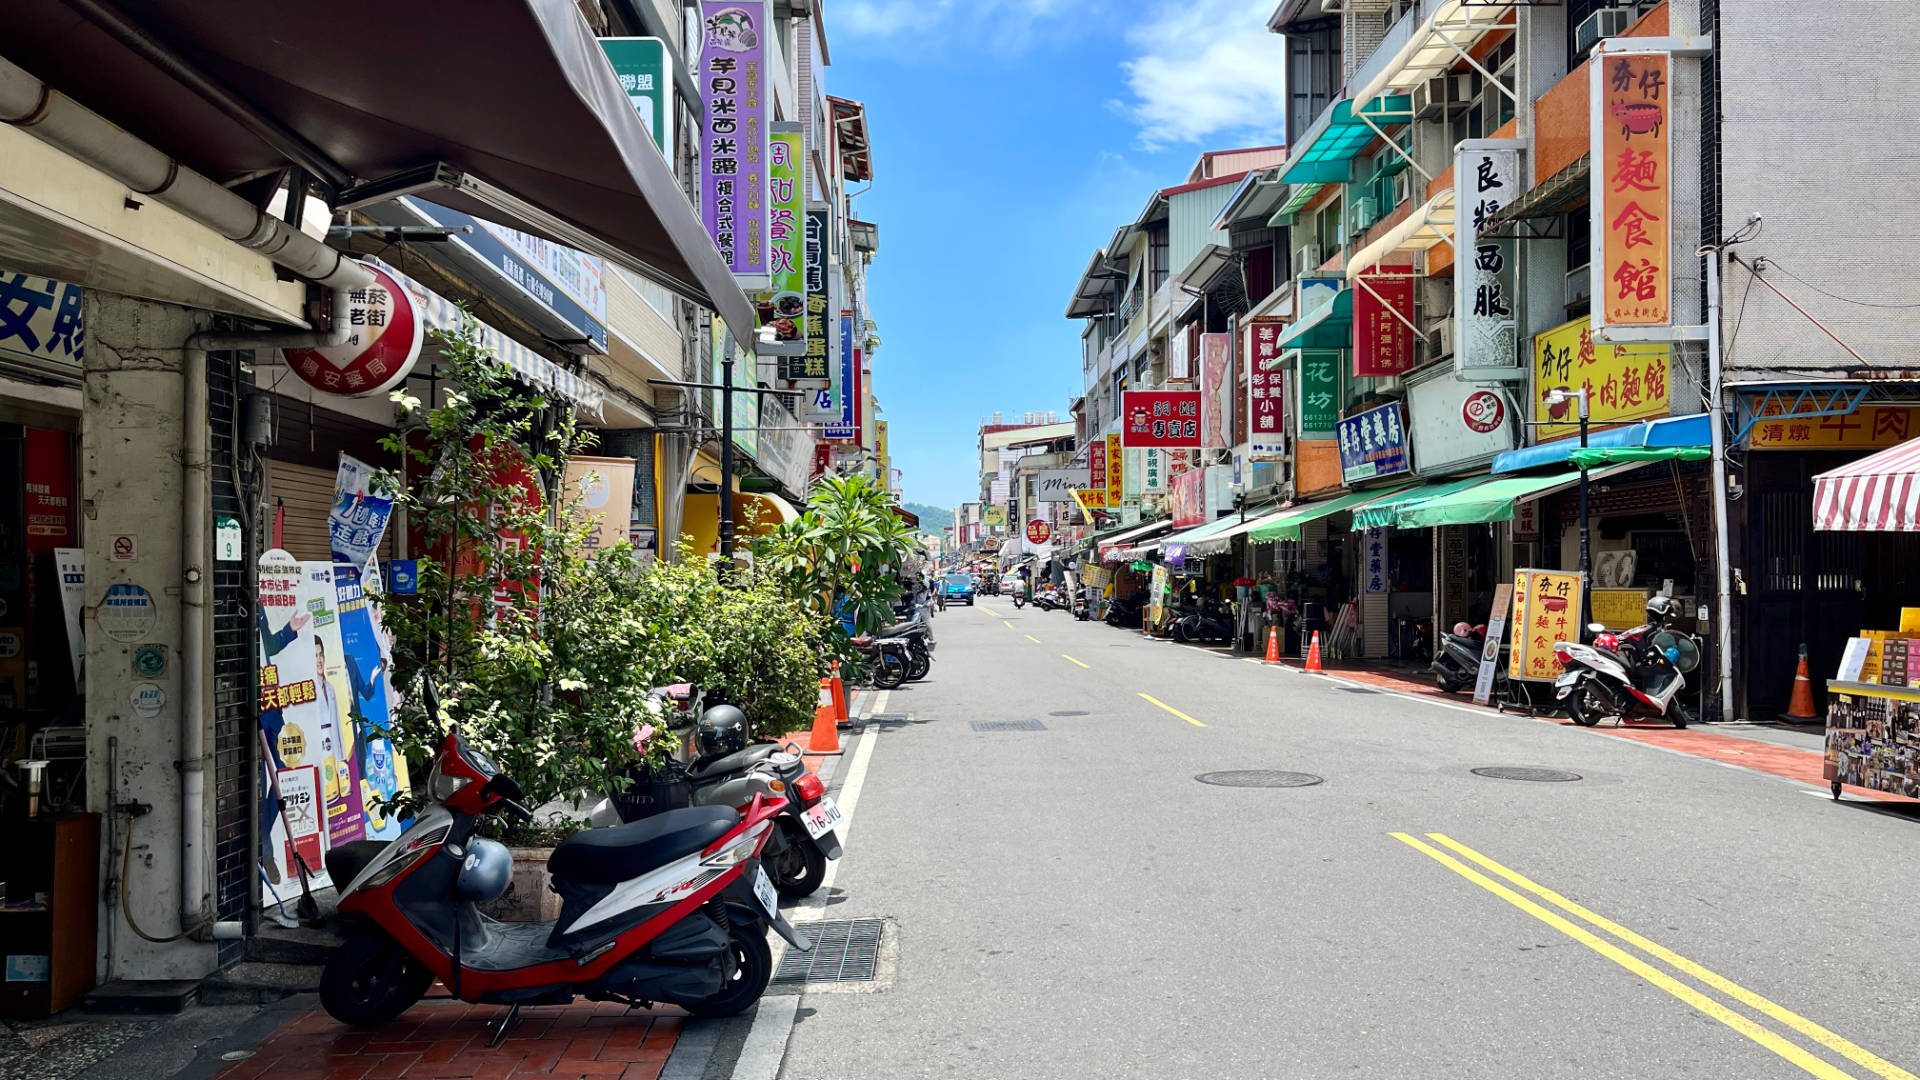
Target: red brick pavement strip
x,y
1794,764
447,1040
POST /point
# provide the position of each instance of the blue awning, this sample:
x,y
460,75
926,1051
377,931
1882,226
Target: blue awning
x,y
1338,137
1329,326
1669,431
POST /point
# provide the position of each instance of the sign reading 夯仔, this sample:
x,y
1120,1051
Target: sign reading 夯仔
x,y
1373,444
1163,418
1623,382
1546,609
1631,190
381,347
733,152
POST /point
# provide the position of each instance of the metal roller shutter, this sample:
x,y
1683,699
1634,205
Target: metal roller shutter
x,y
307,494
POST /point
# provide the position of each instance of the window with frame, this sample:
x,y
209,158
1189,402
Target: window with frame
x,y
1158,239
1490,106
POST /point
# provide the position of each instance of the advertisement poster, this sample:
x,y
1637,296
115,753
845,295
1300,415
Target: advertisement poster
x,y
359,516
1116,472
47,505
334,738
1216,407
1170,419
295,721
300,820
72,566
1319,393
1483,305
1631,191
1546,609
734,35
1623,382
1373,444
364,651
600,490
1490,650
1382,338
1266,392
784,306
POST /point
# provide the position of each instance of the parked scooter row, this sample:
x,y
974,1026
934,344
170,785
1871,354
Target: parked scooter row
x,y
1205,621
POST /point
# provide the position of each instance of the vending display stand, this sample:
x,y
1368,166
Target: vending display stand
x,y
1873,737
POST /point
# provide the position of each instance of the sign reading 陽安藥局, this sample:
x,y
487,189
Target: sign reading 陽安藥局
x,y
1373,444
1631,190
1485,331
734,36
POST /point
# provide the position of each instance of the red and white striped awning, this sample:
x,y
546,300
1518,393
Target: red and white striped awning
x,y
1878,493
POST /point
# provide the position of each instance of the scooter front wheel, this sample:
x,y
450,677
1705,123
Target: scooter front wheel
x,y
370,980
801,867
752,970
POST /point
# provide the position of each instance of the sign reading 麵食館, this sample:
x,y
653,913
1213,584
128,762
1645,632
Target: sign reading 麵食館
x,y
1631,190
1485,329
1373,444
784,306
734,36
1266,392
1623,382
1164,418
1382,310
645,70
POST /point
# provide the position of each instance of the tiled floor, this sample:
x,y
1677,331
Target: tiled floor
x,y
447,1040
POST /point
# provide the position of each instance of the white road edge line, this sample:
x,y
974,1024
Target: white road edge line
x,y
766,1046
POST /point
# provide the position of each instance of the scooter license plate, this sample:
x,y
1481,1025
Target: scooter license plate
x,y
763,892
822,817
1568,679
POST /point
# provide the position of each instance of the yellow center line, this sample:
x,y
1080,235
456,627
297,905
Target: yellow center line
x,y
991,612
1084,665
1173,710
1008,622
1031,638
1804,1026
1764,1036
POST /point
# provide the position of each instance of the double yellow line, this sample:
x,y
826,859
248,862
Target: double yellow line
x,y
1739,1022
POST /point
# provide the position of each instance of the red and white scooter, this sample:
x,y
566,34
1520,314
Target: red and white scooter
x,y
1636,675
673,909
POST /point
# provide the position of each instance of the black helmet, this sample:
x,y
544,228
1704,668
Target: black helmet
x,y
722,730
1659,606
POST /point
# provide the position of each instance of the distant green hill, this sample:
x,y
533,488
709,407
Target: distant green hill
x,y
933,520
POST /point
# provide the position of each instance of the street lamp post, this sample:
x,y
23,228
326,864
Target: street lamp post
x,y
726,390
1560,395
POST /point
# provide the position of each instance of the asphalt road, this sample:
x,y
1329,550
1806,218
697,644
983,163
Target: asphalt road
x,y
1072,903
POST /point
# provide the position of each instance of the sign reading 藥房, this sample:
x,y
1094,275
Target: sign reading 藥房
x,y
1216,406
383,342
1266,392
1374,555
1631,190
1382,310
1373,444
645,70
1163,418
1546,609
1319,384
1058,485
42,324
784,307
1485,331
734,35
1623,382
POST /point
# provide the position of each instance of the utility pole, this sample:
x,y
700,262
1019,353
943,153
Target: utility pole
x,y
726,390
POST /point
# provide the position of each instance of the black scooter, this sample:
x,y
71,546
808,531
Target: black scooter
x,y
1126,613
1456,663
1201,622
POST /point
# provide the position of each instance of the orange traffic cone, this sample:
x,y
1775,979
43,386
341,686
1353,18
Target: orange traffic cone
x,y
1313,654
1801,707
1273,644
839,694
826,729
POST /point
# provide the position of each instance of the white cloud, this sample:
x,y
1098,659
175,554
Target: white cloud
x,y
1207,71
1005,24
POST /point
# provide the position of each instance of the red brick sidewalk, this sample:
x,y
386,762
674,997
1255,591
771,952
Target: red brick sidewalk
x,y
447,1040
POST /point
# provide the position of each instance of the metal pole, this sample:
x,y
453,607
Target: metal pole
x,y
1723,570
726,452
1586,558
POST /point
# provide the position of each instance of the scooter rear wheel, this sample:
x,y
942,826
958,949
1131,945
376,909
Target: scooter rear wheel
x,y
370,980
889,672
1581,709
800,868
753,969
919,665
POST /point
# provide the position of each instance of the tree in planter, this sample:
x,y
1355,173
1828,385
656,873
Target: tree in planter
x,y
842,554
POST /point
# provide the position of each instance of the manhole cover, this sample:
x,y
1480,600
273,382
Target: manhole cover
x,y
1525,772
1069,712
1008,725
1262,778
1358,690
844,950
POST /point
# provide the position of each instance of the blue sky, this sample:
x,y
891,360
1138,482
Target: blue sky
x,y
1010,138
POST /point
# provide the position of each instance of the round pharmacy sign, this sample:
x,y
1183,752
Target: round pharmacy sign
x,y
1483,411
383,341
1038,531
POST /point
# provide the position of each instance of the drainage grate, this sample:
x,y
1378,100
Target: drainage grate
x,y
1358,690
1525,772
1069,712
1008,725
844,950
1260,778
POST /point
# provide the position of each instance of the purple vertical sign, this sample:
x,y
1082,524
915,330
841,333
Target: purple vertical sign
x,y
733,153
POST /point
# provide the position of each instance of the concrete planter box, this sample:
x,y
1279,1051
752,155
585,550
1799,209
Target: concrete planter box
x,y
529,897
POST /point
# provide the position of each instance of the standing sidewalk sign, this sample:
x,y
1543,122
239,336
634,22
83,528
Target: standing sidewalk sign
x,y
1490,651
1546,609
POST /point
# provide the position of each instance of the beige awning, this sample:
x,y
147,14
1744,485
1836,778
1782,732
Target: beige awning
x,y
1440,41
1430,225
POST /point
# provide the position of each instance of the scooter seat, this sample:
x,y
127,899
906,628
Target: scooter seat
x,y
901,629
713,768
612,855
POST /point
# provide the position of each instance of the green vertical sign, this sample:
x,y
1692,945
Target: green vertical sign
x,y
646,74
785,307
1319,384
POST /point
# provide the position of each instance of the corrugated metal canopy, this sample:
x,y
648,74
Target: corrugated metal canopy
x,y
1339,136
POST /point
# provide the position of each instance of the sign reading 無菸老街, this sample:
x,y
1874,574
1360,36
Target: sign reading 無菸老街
x,y
1169,419
1546,609
1216,383
784,306
1623,382
1382,338
385,333
1631,190
1373,444
1266,392
1485,330
734,78
645,70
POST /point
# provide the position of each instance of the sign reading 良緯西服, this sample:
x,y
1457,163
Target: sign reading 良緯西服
x,y
734,35
1373,444
1483,304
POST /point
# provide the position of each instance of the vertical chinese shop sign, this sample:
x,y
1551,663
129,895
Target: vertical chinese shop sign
x,y
1382,340
1266,395
1632,191
784,306
1116,472
814,364
1095,495
1546,609
733,154
1217,402
1319,393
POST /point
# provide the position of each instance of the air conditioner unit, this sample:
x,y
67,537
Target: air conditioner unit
x,y
1466,85
1579,288
1440,339
1605,23
1307,259
1362,213
1430,99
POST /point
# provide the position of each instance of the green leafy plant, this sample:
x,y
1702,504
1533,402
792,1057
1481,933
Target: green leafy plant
x,y
842,556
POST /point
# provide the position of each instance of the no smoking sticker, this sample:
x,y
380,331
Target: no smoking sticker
x,y
125,548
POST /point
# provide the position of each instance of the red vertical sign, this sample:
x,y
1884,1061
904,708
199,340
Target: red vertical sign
x,y
1382,336
47,474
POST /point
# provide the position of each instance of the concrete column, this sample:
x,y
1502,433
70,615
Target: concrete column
x,y
130,492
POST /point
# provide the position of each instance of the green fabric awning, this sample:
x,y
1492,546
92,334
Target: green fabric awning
x,y
1285,524
1489,500
1593,457
1384,512
1329,326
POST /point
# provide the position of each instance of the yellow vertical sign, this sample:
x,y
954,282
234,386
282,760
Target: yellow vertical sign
x,y
1546,609
1115,468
